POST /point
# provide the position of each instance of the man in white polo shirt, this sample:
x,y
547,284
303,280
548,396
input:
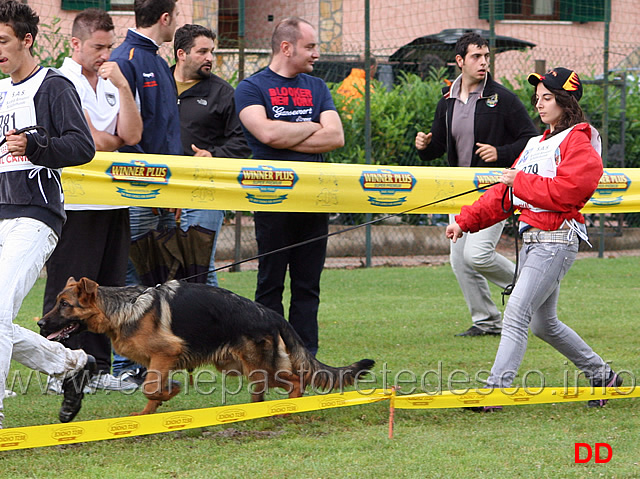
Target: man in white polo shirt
x,y
95,239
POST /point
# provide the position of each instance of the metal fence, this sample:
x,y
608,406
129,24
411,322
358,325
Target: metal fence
x,y
417,36
398,242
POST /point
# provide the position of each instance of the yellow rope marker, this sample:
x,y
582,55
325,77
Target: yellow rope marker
x,y
103,429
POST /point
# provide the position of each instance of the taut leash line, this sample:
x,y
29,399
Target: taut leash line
x,y
345,230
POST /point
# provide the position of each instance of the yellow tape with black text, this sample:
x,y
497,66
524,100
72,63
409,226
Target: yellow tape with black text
x,y
103,429
114,428
256,185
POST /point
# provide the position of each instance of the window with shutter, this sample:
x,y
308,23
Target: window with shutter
x,y
567,10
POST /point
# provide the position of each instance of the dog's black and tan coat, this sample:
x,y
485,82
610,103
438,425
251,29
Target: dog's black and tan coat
x,y
180,325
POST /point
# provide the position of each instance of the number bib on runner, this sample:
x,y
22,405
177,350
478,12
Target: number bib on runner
x,y
540,158
17,110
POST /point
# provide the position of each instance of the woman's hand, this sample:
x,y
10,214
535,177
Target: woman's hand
x,y
508,176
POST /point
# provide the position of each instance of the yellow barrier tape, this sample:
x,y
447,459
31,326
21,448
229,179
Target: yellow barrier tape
x,y
510,397
255,185
115,428
103,429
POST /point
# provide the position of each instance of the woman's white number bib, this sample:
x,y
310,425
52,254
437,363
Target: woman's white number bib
x,y
540,158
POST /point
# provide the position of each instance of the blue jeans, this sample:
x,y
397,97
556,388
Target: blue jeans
x,y
533,303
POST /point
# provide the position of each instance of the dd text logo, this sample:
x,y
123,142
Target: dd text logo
x,y
584,449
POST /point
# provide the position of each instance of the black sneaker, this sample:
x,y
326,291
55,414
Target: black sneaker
x,y
476,331
613,381
73,387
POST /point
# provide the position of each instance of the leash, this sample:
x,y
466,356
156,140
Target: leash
x,y
30,130
345,230
509,288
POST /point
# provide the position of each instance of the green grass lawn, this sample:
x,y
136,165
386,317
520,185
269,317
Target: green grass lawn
x,y
405,319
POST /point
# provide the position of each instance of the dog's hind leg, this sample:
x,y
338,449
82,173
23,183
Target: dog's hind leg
x,y
297,391
259,386
292,384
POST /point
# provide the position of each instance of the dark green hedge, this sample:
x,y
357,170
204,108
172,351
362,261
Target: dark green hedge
x,y
409,107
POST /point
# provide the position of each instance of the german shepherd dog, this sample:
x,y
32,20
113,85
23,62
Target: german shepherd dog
x,y
179,325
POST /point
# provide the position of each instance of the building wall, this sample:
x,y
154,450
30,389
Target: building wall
x,y
50,12
575,45
393,24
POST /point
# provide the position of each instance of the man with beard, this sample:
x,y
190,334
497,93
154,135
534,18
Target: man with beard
x,y
209,124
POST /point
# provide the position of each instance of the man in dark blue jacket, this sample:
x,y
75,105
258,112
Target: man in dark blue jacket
x,y
478,123
149,76
152,85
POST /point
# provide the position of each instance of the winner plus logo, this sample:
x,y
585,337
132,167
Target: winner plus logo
x,y
267,184
484,180
387,187
141,176
610,189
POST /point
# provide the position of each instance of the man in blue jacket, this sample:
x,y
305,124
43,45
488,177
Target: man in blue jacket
x,y
478,123
152,85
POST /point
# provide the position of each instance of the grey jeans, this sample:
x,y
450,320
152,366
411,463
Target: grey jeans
x,y
533,304
475,262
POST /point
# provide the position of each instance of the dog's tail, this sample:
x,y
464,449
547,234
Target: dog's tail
x,y
325,378
315,373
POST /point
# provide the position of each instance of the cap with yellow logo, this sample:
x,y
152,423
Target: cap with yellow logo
x,y
559,79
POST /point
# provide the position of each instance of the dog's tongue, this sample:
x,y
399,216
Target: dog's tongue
x,y
63,333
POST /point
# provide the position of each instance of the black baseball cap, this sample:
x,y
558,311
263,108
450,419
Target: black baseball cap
x,y
559,79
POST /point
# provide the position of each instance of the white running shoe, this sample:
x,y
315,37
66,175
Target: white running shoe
x,y
108,382
8,393
54,385
102,381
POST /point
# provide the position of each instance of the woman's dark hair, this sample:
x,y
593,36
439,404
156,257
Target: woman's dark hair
x,y
572,113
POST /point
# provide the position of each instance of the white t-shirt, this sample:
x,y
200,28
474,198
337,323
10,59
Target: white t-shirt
x,y
101,105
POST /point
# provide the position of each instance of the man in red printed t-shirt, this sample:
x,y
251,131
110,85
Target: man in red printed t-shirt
x,y
289,115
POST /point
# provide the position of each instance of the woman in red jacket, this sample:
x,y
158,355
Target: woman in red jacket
x,y
551,181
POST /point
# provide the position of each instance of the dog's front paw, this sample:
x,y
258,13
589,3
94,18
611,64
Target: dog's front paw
x,y
151,407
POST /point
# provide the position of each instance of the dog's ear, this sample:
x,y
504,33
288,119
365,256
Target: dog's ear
x,y
88,289
70,281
